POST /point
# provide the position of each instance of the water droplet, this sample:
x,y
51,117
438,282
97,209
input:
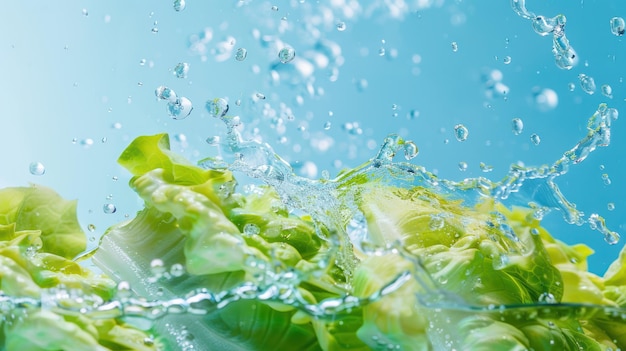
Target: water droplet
x,y
155,30
274,8
241,54
535,139
517,126
587,83
177,270
460,132
462,166
157,267
327,125
123,289
436,222
571,86
181,70
85,12
251,229
607,91
610,206
286,54
606,179
91,227
381,52
410,150
260,96
179,5
341,26
506,60
165,93
179,109
455,46
546,99
547,297
217,107
109,208
37,168
618,26
413,114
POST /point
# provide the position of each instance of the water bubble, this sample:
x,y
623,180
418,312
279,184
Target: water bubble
x,y
241,54
606,179
179,109
181,70
91,227
327,125
462,166
157,267
251,229
618,26
571,86
535,139
547,297
607,91
506,60
179,5
436,222
382,51
217,107
460,132
587,83
413,114
455,46
517,126
274,8
213,140
610,206
123,289
37,168
177,270
341,26
109,208
410,150
155,30
286,54
259,96
165,93
85,12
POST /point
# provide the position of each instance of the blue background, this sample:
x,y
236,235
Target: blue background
x,y
70,75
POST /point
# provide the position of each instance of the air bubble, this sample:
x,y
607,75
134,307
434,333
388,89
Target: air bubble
x,y
517,126
618,26
462,166
546,99
274,8
37,168
181,70
535,139
410,150
109,208
217,107
606,179
610,206
506,60
327,125
157,267
587,83
413,114
165,93
91,227
251,229
286,54
455,46
241,54
341,26
85,12
123,289
460,132
179,5
179,109
547,297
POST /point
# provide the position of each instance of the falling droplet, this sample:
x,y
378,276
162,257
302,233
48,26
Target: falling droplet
x,y
460,132
535,139
241,54
179,109
587,83
37,168
518,126
618,26
410,150
217,107
179,5
286,54
109,208
181,70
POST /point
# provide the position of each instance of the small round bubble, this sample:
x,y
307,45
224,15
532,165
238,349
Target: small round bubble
x,y
517,126
607,91
165,93
455,46
341,26
179,109
610,206
181,70
327,126
462,166
179,5
618,26
506,60
109,208
91,227
251,229
241,54
587,83
217,107
286,54
410,150
157,267
535,139
37,168
177,270
461,132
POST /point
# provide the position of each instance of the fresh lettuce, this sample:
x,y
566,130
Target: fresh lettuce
x,y
427,272
43,289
